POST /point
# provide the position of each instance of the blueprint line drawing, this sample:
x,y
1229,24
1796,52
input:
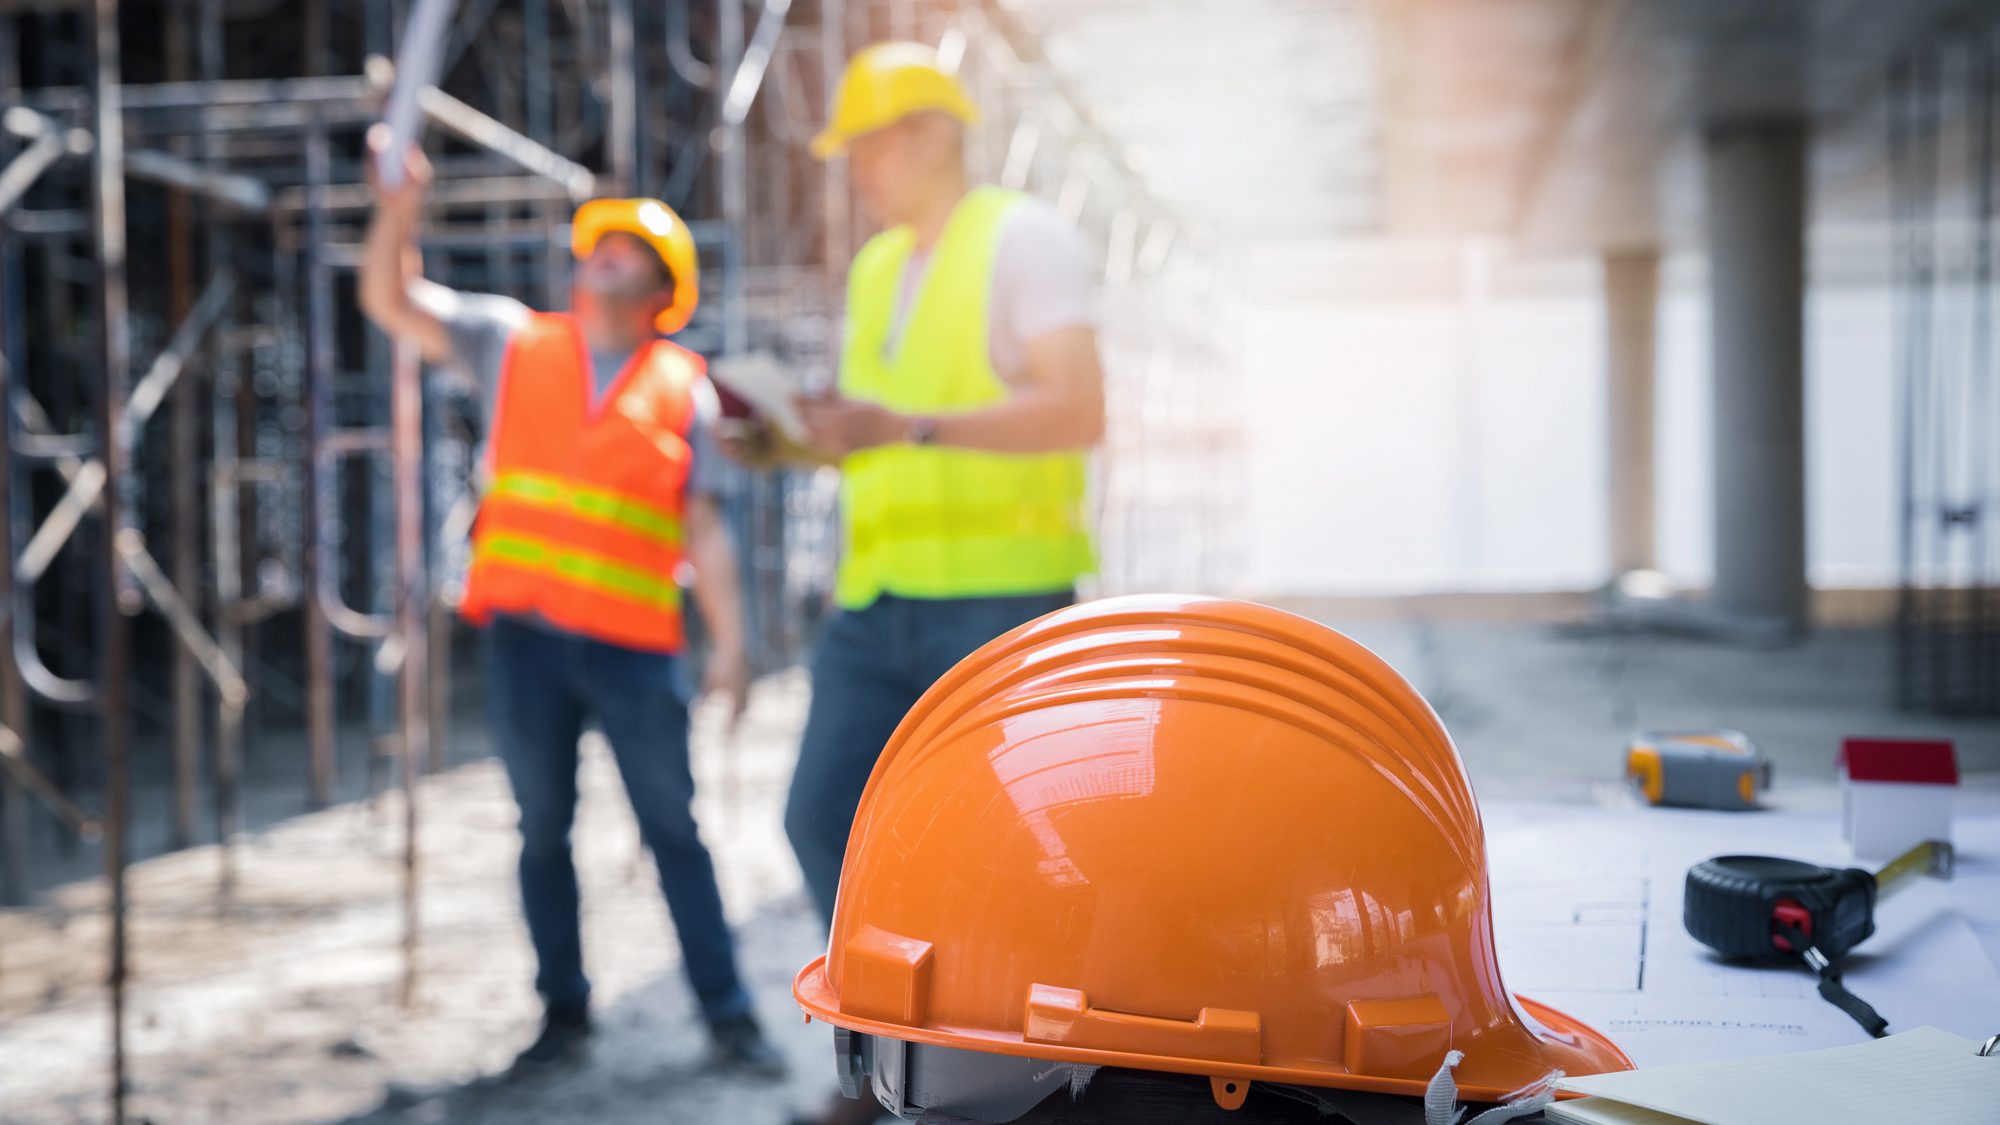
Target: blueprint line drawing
x,y
1587,916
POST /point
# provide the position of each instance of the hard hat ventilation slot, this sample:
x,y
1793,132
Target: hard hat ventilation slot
x,y
1064,1016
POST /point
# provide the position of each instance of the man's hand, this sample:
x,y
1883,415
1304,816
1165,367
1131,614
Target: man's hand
x,y
750,442
406,199
728,677
759,446
391,275
839,425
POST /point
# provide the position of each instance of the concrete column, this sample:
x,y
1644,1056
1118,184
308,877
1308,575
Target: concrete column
x,y
1631,298
1756,189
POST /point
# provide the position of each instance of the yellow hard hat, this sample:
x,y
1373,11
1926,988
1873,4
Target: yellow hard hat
x,y
884,84
654,223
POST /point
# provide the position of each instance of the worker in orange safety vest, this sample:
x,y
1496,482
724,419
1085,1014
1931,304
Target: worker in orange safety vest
x,y
599,489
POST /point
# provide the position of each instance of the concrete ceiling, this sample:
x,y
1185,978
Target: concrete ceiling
x,y
1575,124
1259,118
1559,125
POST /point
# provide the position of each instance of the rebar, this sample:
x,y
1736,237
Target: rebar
x,y
184,498
406,422
108,198
318,408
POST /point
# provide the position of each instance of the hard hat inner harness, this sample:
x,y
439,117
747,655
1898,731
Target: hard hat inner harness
x,y
938,1083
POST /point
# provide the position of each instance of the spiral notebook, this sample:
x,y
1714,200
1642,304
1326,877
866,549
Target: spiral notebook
x,y
1924,1075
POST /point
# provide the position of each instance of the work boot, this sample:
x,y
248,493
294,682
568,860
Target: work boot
x,y
565,1034
739,1044
843,1110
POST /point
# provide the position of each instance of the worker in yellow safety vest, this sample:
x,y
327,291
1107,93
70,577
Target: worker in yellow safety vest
x,y
970,390
599,488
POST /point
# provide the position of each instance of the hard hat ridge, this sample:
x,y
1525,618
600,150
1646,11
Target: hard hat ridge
x,y
1229,654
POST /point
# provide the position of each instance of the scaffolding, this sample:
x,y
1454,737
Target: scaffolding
x,y
1943,113
234,511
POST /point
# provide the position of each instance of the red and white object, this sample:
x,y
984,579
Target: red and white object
x,y
1895,793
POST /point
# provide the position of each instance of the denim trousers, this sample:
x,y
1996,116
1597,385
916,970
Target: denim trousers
x,y
869,667
542,687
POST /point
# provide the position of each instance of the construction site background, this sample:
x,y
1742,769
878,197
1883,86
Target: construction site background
x,y
231,655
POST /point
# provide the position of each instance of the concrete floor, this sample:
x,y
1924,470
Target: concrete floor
x,y
1525,701
280,1001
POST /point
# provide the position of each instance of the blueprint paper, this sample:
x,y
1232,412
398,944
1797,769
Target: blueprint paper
x,y
1923,1075
1587,911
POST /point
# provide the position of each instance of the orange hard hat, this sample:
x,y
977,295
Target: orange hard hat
x,y
1187,835
656,224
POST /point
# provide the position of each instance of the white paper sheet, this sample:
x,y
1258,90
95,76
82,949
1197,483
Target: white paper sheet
x,y
1923,1075
760,380
1601,1111
1587,908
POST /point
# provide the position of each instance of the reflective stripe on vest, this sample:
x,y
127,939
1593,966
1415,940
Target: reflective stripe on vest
x,y
586,502
605,575
930,522
581,525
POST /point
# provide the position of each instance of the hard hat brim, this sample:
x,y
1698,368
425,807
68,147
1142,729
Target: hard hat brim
x,y
816,995
832,141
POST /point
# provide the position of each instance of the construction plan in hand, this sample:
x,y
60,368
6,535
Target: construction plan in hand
x,y
1587,908
763,384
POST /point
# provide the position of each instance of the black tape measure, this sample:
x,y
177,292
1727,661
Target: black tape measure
x,y
1762,908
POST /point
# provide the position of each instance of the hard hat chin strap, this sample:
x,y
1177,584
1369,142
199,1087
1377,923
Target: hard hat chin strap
x,y
1441,1098
1440,1105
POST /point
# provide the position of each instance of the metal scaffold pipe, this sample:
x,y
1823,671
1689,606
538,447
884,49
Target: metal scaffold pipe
x,y
317,576
622,129
755,62
412,598
468,124
833,56
734,188
108,197
311,468
186,439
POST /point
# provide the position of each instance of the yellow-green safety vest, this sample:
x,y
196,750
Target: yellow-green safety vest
x,y
929,522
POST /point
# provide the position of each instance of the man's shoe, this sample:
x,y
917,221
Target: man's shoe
x,y
564,1036
740,1045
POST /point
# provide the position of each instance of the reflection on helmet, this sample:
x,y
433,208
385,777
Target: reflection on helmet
x,y
1179,834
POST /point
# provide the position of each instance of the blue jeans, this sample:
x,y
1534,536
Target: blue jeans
x,y
868,669
541,687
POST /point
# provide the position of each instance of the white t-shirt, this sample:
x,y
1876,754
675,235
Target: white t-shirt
x,y
1041,283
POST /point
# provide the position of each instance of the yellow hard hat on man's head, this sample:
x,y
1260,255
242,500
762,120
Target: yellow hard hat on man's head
x,y
655,224
884,84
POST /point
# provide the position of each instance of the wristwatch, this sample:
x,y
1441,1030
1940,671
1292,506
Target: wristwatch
x,y
921,431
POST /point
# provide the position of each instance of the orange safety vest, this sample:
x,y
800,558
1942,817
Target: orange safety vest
x,y
581,522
